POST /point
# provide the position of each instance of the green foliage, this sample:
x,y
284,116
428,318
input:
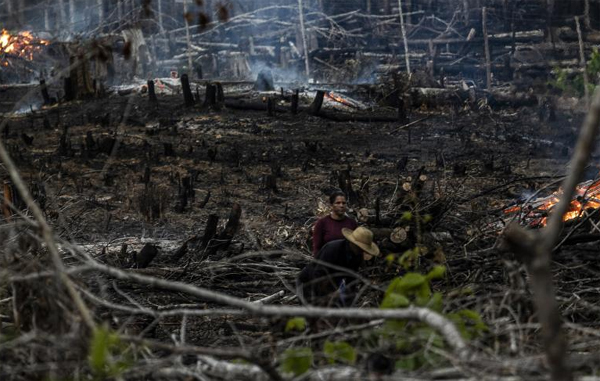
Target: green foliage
x,y
593,65
406,216
412,338
296,324
576,85
410,258
107,357
437,272
296,360
339,351
469,323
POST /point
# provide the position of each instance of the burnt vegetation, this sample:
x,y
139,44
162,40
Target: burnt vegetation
x,y
163,164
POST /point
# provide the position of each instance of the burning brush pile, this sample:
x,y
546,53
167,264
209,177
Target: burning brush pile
x,y
18,47
534,213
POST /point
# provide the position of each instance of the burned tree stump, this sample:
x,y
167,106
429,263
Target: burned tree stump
x,y
212,154
210,99
168,149
345,184
44,90
210,230
146,177
70,89
270,107
317,103
146,255
205,201
11,201
106,145
151,92
223,240
188,97
402,118
264,81
295,101
187,186
270,183
219,93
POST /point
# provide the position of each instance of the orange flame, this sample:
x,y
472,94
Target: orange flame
x,y
586,197
22,44
339,99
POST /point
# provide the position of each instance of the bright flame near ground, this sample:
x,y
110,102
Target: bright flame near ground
x,y
21,45
339,99
535,213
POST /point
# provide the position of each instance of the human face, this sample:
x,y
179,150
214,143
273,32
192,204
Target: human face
x,y
338,208
357,250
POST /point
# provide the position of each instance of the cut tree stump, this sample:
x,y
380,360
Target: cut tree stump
x,y
151,92
188,97
317,103
146,255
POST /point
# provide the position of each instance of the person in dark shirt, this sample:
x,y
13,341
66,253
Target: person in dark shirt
x,y
319,279
329,228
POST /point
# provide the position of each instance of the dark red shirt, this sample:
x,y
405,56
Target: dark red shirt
x,y
327,229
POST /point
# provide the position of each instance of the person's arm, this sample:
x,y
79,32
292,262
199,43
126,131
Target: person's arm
x,y
317,237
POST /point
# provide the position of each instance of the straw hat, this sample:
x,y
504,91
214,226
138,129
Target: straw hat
x,y
363,238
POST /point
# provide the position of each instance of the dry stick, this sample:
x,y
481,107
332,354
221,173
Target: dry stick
x,y
586,80
48,236
535,249
187,37
586,15
403,30
488,69
435,320
304,43
47,233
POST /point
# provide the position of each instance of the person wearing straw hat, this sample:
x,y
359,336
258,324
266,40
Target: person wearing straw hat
x,y
336,265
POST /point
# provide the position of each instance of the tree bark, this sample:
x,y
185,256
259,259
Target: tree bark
x,y
304,42
488,69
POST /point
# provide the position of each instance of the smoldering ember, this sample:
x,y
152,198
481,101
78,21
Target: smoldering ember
x,y
165,164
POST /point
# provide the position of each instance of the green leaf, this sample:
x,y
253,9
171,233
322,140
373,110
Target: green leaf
x,y
409,259
99,351
407,363
297,360
339,352
394,300
394,326
427,218
410,282
406,216
436,302
390,258
296,324
475,318
437,272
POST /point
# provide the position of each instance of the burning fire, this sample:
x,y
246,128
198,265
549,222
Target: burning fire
x,y
338,98
587,196
22,45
